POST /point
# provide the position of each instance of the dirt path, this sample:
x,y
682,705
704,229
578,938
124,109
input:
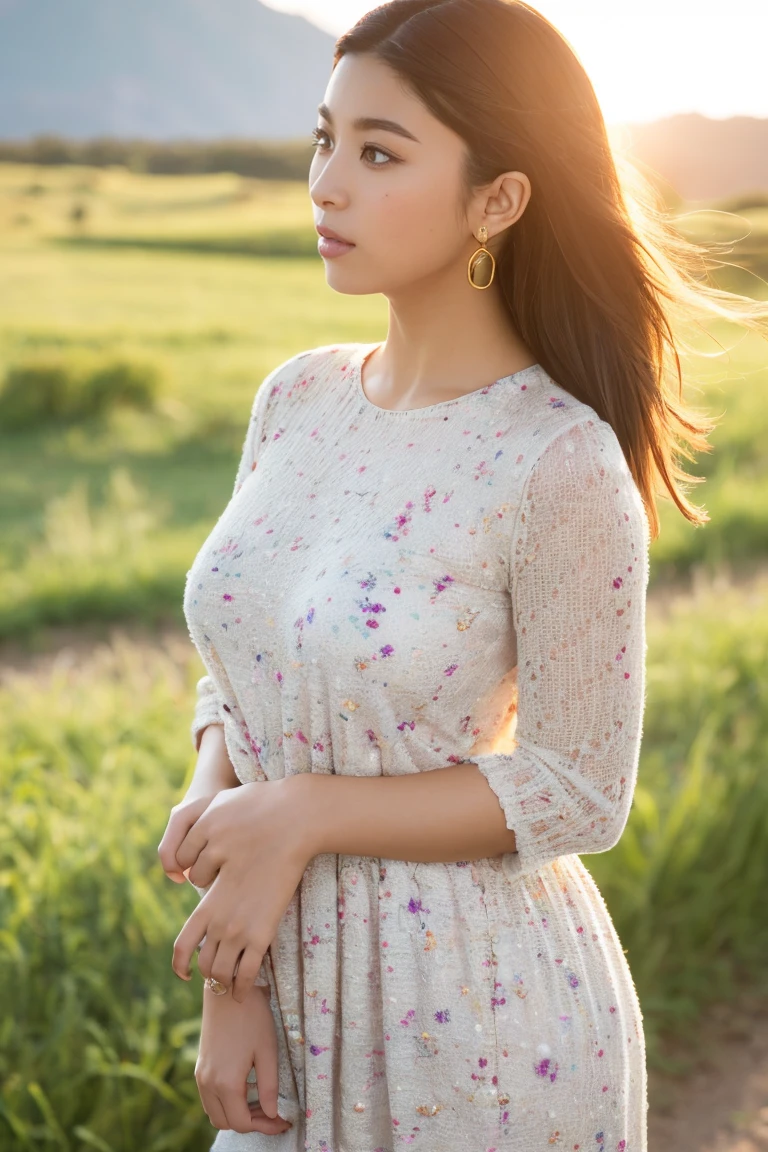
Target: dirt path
x,y
722,1104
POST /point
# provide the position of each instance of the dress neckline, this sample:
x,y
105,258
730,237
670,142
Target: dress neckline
x,y
363,351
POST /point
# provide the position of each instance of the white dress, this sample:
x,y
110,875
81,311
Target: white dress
x,y
396,591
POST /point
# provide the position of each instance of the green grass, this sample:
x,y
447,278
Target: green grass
x,y
99,1038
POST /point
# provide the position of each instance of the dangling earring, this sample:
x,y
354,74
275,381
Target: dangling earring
x,y
480,262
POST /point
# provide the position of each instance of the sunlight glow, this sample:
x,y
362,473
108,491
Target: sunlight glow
x,y
646,61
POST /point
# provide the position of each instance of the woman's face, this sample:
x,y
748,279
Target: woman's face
x,y
394,195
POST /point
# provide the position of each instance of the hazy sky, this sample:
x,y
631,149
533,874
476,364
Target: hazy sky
x,y
646,59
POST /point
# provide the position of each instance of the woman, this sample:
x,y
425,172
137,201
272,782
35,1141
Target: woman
x,y
422,616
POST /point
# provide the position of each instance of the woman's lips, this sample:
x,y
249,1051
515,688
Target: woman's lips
x,y
330,248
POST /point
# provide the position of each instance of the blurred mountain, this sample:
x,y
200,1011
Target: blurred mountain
x,y
703,159
159,69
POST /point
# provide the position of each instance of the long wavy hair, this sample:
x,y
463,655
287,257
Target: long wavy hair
x,y
594,272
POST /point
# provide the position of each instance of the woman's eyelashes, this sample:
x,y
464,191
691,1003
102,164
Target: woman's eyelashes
x,y
319,133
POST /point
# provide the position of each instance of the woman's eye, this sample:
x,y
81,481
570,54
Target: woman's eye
x,y
373,148
319,136
316,134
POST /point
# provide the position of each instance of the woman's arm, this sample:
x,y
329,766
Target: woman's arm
x,y
447,814
213,770
578,574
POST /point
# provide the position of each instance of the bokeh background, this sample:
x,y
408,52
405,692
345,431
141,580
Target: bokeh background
x,y
157,259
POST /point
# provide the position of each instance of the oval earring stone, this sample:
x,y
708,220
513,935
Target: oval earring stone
x,y
481,268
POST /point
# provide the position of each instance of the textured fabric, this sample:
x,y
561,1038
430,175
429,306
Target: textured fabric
x,y
396,591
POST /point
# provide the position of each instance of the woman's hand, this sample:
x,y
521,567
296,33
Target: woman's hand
x,y
250,846
235,1038
183,816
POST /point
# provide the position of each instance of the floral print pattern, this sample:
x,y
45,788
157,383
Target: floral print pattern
x,y
397,591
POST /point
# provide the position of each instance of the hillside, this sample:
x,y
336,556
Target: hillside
x,y
159,69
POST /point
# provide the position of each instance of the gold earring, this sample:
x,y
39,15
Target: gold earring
x,y
480,262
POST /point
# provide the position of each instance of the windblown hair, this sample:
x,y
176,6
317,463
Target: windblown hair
x,y
594,272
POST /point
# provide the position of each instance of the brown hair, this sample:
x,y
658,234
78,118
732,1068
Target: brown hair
x,y
594,271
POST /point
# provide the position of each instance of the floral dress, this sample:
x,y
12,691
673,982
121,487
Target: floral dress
x,y
397,591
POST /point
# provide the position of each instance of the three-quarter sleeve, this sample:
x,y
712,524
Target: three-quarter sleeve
x,y
208,702
578,577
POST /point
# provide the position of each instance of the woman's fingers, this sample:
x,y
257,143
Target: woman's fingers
x,y
213,1108
265,1064
264,1123
182,818
245,1117
258,1120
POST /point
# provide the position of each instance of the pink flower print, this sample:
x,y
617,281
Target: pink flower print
x,y
227,596
408,1017
416,906
428,495
443,1016
497,1001
387,650
543,1069
617,582
367,606
482,470
316,1050
368,581
449,671
406,724
442,583
371,623
402,520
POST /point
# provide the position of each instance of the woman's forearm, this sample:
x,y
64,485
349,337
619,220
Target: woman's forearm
x,y
213,770
443,815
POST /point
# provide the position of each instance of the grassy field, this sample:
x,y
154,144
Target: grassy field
x,y
196,287
209,327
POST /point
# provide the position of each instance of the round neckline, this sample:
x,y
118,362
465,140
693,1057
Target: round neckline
x,y
362,352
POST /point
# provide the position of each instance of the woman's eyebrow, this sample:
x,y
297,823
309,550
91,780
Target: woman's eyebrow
x,y
367,123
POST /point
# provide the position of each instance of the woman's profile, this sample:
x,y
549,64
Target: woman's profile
x,y
422,617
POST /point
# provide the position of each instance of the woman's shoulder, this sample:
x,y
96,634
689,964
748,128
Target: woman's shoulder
x,y
310,359
304,368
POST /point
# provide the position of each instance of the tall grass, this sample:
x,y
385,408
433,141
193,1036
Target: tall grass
x,y
686,883
98,1037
